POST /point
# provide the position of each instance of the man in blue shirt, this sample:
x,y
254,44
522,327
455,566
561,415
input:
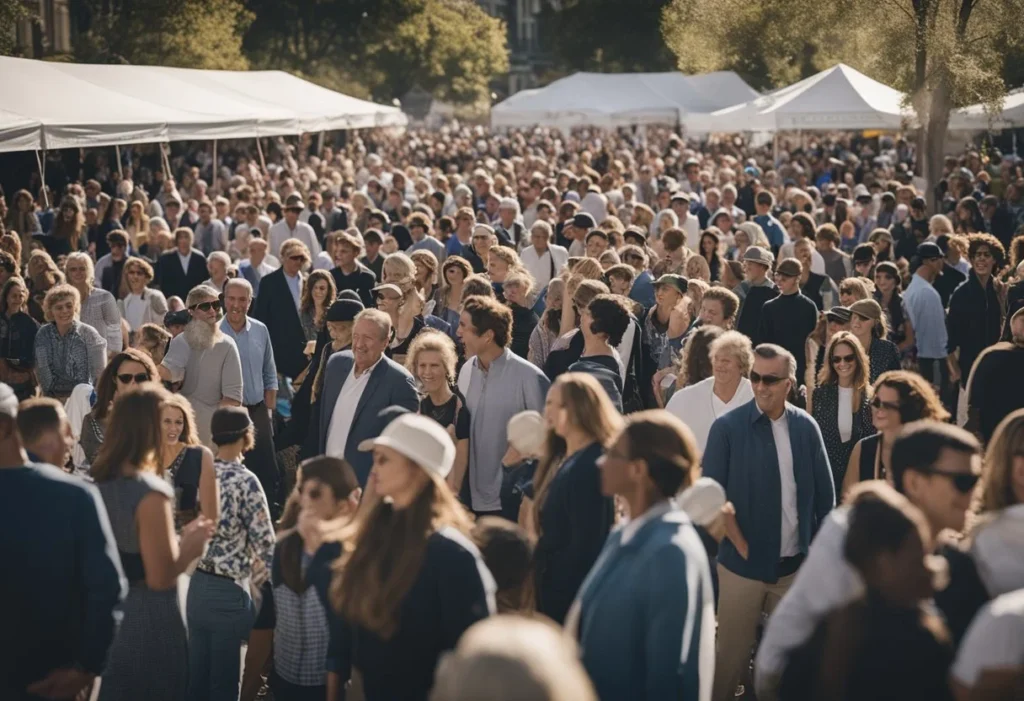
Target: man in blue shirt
x,y
259,382
928,318
763,202
770,458
63,575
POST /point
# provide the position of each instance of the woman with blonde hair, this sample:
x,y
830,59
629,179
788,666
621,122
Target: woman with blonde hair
x,y
545,333
454,273
138,303
432,360
186,465
152,339
841,401
870,326
318,293
149,656
99,308
572,516
697,268
404,579
68,352
398,268
137,226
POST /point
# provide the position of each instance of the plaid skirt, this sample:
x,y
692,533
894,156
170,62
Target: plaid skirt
x,y
149,657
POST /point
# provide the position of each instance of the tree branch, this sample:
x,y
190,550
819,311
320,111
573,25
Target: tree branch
x,y
902,8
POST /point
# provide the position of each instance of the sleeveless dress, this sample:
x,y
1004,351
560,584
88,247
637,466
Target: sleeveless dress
x,y
149,657
183,477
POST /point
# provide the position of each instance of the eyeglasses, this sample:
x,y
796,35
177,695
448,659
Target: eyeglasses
x,y
963,481
837,359
298,257
138,378
207,306
766,380
877,403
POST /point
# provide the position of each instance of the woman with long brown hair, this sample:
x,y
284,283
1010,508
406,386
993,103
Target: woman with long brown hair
x,y
318,293
840,402
406,580
149,657
21,219
572,517
124,371
68,229
17,339
186,465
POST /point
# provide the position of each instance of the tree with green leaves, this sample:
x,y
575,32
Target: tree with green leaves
x,y
182,33
11,12
942,53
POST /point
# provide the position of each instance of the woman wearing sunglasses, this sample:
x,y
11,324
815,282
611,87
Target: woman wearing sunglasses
x,y
898,398
840,401
871,328
125,370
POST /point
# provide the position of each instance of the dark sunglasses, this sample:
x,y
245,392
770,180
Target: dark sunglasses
x,y
877,403
963,481
767,380
207,306
836,359
138,378
297,257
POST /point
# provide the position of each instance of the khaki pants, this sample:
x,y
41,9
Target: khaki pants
x,y
741,602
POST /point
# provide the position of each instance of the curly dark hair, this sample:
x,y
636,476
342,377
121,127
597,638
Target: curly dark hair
x,y
696,356
995,246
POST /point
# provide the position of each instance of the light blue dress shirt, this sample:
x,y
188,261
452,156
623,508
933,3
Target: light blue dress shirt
x,y
924,307
259,373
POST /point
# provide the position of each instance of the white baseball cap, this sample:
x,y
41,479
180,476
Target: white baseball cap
x,y
420,439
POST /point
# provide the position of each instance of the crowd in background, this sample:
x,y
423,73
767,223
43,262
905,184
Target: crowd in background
x,y
342,410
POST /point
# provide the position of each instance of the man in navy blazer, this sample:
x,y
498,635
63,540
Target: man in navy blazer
x,y
358,384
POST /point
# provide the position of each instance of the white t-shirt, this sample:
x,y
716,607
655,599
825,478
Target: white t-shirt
x,y
134,310
790,543
698,407
994,641
345,410
845,413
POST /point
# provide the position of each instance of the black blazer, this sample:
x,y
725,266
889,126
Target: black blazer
x,y
172,280
275,307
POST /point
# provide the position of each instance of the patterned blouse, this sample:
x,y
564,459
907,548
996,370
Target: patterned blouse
x,y
63,362
245,531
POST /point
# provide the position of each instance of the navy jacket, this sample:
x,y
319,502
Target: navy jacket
x,y
390,385
647,614
574,522
63,577
740,455
276,308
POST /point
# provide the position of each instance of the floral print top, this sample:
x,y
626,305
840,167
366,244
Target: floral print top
x,y
245,531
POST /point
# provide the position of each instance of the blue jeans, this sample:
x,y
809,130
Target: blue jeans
x,y
220,615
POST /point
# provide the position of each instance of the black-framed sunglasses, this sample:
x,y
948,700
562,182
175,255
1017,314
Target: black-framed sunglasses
x,y
767,380
837,359
963,481
138,378
207,306
297,257
877,403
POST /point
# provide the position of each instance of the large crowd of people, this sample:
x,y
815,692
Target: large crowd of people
x,y
461,415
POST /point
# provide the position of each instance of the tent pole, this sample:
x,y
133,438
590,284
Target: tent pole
x,y
213,172
259,150
120,168
164,163
41,162
320,143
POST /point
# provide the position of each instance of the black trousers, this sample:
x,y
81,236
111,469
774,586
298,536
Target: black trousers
x,y
262,459
936,372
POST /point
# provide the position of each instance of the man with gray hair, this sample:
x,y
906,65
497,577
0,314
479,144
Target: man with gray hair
x,y
259,383
770,458
509,228
204,360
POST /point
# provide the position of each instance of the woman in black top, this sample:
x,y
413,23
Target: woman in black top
x,y
68,228
840,402
898,398
17,339
572,516
709,246
403,303
869,325
128,368
517,288
404,581
185,465
889,645
888,284
432,360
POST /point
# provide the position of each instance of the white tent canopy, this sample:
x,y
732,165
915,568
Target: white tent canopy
x,y
975,118
837,98
46,105
609,100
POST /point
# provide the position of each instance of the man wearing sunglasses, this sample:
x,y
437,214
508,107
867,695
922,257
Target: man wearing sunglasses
x,y
204,360
937,467
770,458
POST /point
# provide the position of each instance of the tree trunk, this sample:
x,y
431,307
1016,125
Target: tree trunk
x,y
935,131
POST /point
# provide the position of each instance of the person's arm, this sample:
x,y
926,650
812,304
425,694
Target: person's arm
x,y
908,334
852,476
458,473
270,385
112,320
209,490
158,544
43,370
158,303
96,347
231,379
172,367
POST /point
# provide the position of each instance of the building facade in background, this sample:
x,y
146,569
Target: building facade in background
x,y
46,31
527,60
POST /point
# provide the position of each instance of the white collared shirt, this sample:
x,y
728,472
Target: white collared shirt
x,y
185,261
345,409
790,543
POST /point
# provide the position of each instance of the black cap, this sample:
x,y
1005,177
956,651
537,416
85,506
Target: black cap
x,y
344,310
840,314
863,253
583,221
179,318
929,251
677,282
229,423
350,294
